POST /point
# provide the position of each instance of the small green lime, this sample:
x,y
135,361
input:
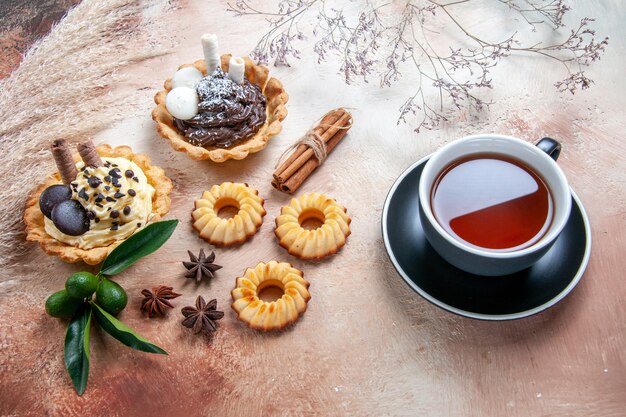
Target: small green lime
x,y
81,285
61,305
111,296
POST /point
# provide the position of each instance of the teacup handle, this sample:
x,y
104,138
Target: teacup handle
x,y
551,147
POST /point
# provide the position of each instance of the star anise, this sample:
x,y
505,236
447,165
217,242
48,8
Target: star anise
x,y
156,301
201,265
202,317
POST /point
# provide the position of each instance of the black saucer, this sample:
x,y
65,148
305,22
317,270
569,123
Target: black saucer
x,y
490,298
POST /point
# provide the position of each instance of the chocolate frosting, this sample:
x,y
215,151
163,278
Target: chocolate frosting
x,y
228,112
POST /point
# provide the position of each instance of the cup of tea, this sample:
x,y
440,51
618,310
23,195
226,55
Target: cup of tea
x,y
494,205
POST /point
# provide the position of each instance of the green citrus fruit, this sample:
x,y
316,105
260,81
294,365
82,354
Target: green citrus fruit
x,y
81,285
111,296
61,305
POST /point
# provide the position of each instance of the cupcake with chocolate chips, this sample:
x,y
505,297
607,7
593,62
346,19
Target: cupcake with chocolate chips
x,y
221,107
95,202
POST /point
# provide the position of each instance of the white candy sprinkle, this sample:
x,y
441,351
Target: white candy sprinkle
x,y
182,103
186,77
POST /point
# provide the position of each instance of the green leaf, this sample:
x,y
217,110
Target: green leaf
x,y
77,348
123,333
141,244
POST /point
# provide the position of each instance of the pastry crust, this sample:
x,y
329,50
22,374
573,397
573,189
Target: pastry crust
x,y
34,218
237,229
275,315
325,240
276,112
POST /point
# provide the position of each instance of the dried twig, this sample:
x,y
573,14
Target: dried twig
x,y
383,39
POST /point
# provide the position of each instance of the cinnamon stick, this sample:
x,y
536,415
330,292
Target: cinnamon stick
x,y
328,120
295,181
302,162
89,154
64,161
308,153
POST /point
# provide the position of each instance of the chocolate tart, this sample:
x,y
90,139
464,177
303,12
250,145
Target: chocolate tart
x,y
276,99
34,218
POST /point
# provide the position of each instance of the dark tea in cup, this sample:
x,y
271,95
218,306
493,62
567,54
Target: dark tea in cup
x,y
492,201
493,205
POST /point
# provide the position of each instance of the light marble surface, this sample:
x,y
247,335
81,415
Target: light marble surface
x,y
367,344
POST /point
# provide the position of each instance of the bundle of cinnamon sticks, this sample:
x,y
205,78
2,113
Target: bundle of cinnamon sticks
x,y
290,175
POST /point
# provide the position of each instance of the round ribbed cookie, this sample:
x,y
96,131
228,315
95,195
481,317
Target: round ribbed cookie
x,y
274,315
235,230
319,242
